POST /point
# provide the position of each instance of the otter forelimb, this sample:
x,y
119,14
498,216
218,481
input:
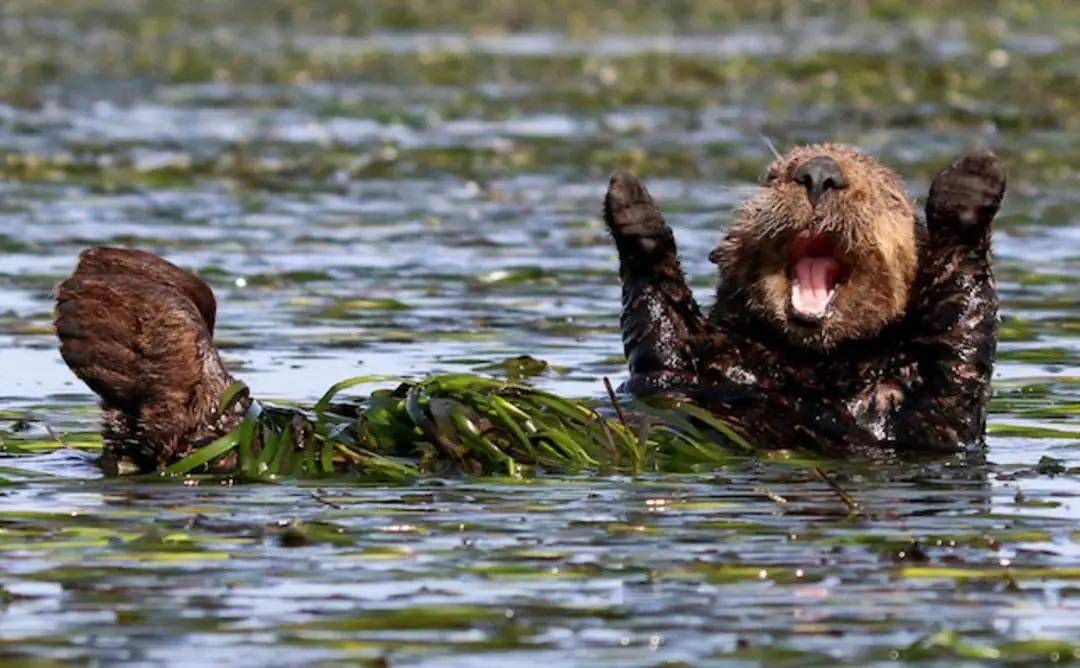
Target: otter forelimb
x,y
663,328
956,310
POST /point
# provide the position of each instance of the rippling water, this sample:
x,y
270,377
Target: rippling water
x,y
404,188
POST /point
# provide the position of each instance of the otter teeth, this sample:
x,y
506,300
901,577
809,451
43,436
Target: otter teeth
x,y
813,286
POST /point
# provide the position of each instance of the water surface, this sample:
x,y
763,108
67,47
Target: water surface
x,y
406,188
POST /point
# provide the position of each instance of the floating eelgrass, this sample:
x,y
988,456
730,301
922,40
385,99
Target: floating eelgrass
x,y
463,423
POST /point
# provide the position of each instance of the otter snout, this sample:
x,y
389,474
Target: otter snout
x,y
822,268
819,175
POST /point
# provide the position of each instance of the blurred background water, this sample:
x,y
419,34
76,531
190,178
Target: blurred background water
x,y
409,187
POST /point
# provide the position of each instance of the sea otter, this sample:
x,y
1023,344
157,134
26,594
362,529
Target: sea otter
x,y
842,322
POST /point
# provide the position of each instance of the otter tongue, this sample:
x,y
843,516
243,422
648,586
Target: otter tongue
x,y
815,278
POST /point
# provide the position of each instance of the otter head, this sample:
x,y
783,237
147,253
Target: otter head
x,y
824,252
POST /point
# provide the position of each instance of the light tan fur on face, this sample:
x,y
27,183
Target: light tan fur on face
x,y
872,224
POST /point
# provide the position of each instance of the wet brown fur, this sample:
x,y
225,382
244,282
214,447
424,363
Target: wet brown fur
x,y
904,359
138,330
872,223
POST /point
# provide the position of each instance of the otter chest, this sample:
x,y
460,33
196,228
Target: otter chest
x,y
873,394
865,395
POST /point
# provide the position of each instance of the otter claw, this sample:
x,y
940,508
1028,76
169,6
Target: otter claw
x,y
966,194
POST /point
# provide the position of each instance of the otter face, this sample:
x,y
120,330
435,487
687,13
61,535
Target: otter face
x,y
825,251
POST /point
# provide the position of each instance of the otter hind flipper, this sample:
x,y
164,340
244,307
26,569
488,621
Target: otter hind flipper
x,y
663,329
134,263
137,330
94,336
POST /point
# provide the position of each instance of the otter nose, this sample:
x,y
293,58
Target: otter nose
x,y
818,175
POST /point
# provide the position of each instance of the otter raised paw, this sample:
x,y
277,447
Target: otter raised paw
x,y
847,322
138,331
661,323
954,314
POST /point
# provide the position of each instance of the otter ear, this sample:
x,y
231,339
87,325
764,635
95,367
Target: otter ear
x,y
965,196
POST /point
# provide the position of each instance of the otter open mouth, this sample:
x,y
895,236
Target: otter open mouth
x,y
814,272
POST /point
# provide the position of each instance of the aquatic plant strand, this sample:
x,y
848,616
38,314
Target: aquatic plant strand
x,y
463,423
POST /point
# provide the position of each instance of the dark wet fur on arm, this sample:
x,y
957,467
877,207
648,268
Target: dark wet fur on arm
x,y
661,323
955,310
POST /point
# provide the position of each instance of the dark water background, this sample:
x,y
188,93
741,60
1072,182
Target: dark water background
x,y
409,187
